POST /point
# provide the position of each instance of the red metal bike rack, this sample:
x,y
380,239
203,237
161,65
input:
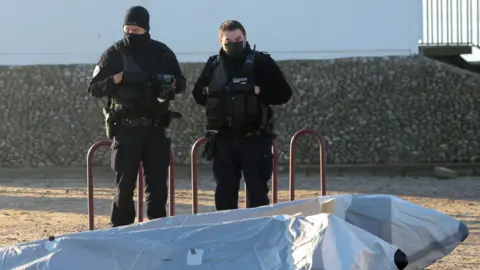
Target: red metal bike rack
x,y
194,174
321,145
140,184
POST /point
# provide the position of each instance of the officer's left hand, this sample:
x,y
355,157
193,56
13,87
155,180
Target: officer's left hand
x,y
257,90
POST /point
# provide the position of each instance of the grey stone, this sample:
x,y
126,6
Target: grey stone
x,y
444,173
370,110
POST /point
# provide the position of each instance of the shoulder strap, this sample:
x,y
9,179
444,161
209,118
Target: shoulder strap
x,y
119,46
215,60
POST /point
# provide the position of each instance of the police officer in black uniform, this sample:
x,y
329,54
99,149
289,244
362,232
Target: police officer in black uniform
x,y
237,87
139,76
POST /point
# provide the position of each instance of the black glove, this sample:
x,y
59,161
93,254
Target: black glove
x,y
209,146
165,84
167,92
207,152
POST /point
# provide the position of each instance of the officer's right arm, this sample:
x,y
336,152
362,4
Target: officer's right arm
x,y
202,82
102,84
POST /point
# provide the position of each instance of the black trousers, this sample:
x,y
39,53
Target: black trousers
x,y
131,146
233,156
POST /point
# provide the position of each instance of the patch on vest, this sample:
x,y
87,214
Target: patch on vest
x,y
96,71
240,80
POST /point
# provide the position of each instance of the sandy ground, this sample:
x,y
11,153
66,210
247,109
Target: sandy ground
x,y
37,203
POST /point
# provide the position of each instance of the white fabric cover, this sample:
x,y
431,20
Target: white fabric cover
x,y
425,235
266,243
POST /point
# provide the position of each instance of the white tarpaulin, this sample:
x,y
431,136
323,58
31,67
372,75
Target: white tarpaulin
x,y
425,235
267,243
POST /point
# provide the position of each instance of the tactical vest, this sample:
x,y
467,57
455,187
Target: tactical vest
x,y
135,96
231,102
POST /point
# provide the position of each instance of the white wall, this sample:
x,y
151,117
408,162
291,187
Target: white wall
x,y
74,31
451,21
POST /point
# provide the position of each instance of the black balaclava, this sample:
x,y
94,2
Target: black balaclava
x,y
140,17
235,49
235,52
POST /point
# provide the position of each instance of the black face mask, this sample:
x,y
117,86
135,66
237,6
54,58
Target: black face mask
x,y
136,40
234,49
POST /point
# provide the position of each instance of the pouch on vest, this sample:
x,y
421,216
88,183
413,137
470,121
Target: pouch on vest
x,y
134,86
239,89
217,103
245,102
212,107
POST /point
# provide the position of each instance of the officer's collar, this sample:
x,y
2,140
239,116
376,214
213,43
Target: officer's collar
x,y
246,51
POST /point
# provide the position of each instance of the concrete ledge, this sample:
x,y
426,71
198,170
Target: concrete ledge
x,y
404,170
390,170
444,49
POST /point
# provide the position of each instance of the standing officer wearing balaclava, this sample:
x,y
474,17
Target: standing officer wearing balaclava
x,y
139,76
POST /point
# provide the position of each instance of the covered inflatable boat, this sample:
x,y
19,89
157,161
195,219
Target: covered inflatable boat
x,y
332,232
278,242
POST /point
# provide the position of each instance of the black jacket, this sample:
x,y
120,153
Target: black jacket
x,y
274,88
155,58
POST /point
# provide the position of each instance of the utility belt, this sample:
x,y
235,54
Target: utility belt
x,y
211,135
141,122
209,147
238,125
113,120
